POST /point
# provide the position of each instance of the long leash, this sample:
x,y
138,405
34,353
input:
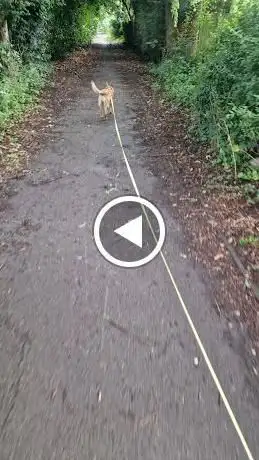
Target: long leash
x,y
185,309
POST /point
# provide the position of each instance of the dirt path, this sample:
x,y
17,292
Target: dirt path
x,y
97,362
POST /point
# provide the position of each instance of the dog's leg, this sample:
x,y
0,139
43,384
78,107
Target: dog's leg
x,y
111,110
105,108
103,114
100,103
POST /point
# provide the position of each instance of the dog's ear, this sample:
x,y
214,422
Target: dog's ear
x,y
107,84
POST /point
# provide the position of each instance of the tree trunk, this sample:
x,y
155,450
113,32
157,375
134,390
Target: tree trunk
x,y
127,8
197,26
4,33
169,27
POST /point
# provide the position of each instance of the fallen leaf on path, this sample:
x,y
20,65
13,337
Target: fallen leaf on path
x,y
219,256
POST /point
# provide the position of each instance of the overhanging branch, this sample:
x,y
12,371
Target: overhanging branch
x,y
124,2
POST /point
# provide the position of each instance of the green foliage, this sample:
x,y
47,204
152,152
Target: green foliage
x,y
249,240
249,174
20,90
19,83
120,18
149,24
40,30
87,19
251,193
227,97
10,60
175,5
117,27
178,79
220,80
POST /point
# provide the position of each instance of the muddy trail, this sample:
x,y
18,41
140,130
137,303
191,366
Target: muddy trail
x,y
98,361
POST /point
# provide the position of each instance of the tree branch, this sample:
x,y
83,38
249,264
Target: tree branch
x,y
124,2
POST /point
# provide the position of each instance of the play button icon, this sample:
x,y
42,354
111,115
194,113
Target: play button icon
x,y
129,231
132,231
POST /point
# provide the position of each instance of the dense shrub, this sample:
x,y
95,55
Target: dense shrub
x,y
178,78
87,19
20,83
228,92
39,31
19,91
128,32
120,17
220,83
149,34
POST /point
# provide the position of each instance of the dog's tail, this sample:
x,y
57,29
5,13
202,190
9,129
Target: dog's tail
x,y
94,87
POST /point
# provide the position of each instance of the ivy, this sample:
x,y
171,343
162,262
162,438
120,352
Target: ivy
x,y
214,71
175,11
39,31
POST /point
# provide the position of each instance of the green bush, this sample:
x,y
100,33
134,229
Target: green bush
x,y
149,33
178,78
19,90
87,19
117,25
39,31
221,86
119,20
10,60
227,98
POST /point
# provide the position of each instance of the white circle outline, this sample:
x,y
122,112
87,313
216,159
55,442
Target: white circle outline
x,y
111,204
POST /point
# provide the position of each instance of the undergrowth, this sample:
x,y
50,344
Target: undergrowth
x,y
39,32
20,85
220,85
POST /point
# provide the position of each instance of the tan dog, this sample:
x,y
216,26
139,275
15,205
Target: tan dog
x,y
105,98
